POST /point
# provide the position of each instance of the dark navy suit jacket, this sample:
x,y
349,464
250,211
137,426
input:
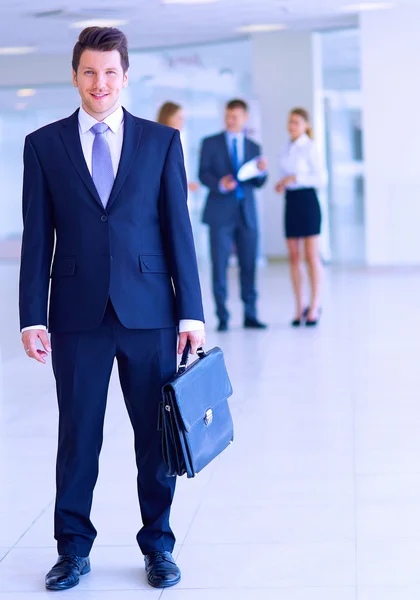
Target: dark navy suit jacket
x,y
139,251
222,209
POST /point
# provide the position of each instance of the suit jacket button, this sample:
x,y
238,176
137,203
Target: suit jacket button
x,y
104,218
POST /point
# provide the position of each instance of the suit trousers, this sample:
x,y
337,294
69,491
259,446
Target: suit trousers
x,y
82,364
222,240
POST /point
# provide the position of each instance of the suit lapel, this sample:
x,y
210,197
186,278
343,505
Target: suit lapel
x,y
132,135
247,150
71,139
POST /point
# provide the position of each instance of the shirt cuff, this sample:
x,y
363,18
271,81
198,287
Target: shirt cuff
x,y
186,325
34,327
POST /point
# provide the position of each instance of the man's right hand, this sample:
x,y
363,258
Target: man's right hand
x,y
229,183
29,340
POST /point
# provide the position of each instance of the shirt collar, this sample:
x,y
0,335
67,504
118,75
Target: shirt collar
x,y
239,136
114,120
301,140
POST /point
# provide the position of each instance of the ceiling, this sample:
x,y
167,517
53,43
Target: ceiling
x,y
45,24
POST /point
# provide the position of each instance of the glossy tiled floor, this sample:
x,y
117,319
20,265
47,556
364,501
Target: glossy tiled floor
x,y
319,497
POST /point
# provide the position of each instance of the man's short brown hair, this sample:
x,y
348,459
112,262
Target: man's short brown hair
x,y
103,39
237,103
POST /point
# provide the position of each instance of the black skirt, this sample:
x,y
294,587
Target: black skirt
x,y
302,213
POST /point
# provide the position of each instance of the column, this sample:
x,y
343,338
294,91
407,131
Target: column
x,y
287,72
391,100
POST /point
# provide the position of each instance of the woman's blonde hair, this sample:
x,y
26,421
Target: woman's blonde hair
x,y
166,111
302,112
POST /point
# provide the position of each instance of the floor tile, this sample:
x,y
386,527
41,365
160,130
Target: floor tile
x,y
267,565
382,522
274,492
388,562
388,488
388,593
333,593
78,593
3,552
283,525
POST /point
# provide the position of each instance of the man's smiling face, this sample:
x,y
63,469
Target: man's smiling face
x,y
100,79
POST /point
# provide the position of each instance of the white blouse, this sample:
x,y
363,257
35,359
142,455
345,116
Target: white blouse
x,y
301,158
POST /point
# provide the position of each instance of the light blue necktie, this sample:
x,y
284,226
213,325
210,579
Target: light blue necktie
x,y
236,166
102,170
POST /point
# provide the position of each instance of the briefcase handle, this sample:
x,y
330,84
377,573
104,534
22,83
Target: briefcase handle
x,y
185,356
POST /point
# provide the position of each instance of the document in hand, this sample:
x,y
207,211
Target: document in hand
x,y
249,170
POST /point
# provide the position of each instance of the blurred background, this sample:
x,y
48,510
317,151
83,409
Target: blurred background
x,y
339,60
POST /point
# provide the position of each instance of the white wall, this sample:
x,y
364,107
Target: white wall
x,y
25,71
35,69
286,73
391,88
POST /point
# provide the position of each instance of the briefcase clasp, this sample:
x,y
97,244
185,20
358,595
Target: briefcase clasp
x,y
208,419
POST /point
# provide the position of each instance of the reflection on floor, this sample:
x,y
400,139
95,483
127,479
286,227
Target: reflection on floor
x,y
319,497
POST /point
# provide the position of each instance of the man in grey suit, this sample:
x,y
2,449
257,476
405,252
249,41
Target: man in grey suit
x,y
230,210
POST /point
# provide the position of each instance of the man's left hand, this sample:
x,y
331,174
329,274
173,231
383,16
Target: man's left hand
x,y
197,339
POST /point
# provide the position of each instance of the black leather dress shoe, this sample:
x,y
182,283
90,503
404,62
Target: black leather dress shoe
x,y
254,324
161,569
66,572
223,326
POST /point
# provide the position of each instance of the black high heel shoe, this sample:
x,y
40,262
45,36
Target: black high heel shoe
x,y
298,322
313,322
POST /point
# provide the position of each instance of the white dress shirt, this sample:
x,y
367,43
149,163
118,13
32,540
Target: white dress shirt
x,y
114,136
185,146
301,158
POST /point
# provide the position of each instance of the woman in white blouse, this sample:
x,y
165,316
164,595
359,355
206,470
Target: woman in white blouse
x,y
301,172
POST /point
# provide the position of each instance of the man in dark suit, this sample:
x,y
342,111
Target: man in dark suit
x,y
110,190
230,210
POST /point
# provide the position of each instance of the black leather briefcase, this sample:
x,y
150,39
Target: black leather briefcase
x,y
195,419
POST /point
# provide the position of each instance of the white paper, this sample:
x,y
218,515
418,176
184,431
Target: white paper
x,y
249,170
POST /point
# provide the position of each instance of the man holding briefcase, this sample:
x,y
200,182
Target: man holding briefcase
x,y
110,190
